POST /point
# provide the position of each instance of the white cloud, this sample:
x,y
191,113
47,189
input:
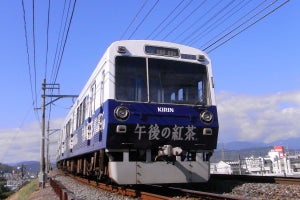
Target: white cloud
x,y
258,118
23,144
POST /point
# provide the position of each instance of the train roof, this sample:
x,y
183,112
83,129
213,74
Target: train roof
x,y
137,44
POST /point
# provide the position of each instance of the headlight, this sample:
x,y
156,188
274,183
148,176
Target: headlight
x,y
206,116
121,113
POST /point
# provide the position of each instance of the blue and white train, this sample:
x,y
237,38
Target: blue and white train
x,y
146,115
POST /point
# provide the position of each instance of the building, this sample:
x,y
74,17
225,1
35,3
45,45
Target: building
x,y
276,163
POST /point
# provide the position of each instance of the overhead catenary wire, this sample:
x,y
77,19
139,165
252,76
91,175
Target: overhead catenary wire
x,y
184,19
56,70
56,54
173,19
148,13
57,51
133,20
195,22
209,20
236,28
34,48
165,19
250,25
222,19
235,23
63,41
47,38
27,52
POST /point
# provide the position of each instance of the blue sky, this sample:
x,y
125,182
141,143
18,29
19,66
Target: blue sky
x,y
257,73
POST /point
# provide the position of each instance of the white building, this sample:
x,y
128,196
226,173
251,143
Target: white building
x,y
276,163
220,168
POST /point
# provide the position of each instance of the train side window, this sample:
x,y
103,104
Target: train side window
x,y
93,99
102,88
180,94
78,117
83,107
173,97
68,128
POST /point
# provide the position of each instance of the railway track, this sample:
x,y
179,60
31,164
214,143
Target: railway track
x,y
144,192
158,192
258,179
293,181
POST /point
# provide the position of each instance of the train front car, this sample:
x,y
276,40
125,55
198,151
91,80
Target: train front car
x,y
160,121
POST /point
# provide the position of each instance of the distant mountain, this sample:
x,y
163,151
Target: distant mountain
x,y
4,168
292,143
30,166
239,145
242,149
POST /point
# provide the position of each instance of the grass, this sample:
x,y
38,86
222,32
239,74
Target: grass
x,y
28,189
25,192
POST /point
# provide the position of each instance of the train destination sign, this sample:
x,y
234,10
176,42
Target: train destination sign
x,y
161,51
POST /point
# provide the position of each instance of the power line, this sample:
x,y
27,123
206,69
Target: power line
x,y
32,89
132,21
240,25
138,26
64,43
62,52
182,21
60,39
174,19
247,27
58,42
34,60
235,22
195,22
166,18
219,20
209,20
47,38
27,51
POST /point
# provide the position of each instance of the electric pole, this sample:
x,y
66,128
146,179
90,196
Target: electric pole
x,y
42,174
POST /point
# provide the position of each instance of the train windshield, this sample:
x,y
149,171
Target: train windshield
x,y
170,81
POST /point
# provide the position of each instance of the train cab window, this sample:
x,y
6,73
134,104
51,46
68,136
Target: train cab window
x,y
131,79
177,82
169,81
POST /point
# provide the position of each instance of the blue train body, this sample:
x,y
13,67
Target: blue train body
x,y
146,115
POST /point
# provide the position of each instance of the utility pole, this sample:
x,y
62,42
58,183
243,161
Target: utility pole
x,y
42,174
48,163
